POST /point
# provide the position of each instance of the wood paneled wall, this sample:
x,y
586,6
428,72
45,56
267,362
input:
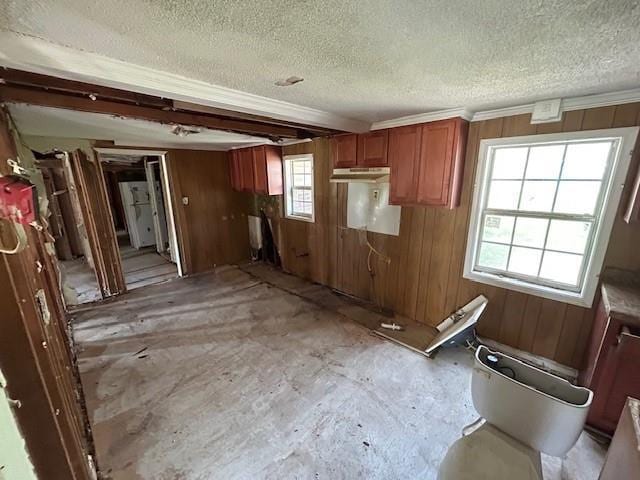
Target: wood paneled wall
x,y
424,280
36,360
212,227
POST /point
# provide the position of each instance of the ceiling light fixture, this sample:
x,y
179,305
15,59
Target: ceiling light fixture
x,y
287,82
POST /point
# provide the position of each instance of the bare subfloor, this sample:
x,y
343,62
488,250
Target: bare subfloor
x,y
260,375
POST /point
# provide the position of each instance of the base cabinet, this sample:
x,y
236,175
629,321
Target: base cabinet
x,y
612,368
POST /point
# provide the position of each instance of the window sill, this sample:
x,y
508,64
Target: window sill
x,y
581,299
301,218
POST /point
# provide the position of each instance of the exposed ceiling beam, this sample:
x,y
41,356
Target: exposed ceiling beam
x,y
245,123
11,94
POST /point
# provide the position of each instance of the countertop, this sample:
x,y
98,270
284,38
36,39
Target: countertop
x,y
621,296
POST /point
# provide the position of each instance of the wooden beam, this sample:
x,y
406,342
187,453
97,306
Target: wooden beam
x,y
44,98
27,79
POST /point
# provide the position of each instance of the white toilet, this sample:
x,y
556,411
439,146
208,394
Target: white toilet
x,y
524,411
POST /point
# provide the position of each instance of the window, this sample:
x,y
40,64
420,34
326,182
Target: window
x,y
298,191
543,210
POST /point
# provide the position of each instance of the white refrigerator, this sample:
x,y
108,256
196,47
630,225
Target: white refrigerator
x,y
138,213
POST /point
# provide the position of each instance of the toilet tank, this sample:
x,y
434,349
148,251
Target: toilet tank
x,y
536,408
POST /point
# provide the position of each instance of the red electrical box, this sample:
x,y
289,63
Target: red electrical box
x,y
18,201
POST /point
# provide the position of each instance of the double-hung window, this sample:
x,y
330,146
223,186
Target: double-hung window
x,y
543,210
298,192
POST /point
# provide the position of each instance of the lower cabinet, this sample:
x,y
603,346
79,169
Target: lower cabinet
x,y
256,170
613,360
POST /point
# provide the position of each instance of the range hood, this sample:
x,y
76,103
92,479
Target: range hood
x,y
360,175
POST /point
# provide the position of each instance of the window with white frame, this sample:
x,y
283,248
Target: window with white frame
x,y
543,210
298,193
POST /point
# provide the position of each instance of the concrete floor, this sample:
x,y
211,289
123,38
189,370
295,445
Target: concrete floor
x,y
140,268
145,267
259,375
80,282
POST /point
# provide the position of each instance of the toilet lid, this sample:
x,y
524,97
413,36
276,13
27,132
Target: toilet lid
x,y
490,454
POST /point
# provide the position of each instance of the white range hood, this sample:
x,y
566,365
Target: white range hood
x,y
360,175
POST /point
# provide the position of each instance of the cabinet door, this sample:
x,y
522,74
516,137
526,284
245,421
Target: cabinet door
x,y
260,181
404,153
246,169
372,149
436,155
273,158
234,170
618,380
344,151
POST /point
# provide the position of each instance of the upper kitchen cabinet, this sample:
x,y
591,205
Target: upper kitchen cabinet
x,y
404,156
256,170
441,162
363,150
427,163
344,150
267,170
373,149
246,169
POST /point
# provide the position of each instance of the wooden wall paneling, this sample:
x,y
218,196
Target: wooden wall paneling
x,y
549,327
530,323
456,266
512,317
441,252
212,228
107,231
35,359
414,259
85,184
426,248
400,282
522,321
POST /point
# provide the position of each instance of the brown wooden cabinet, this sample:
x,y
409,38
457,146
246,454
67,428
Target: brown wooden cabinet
x,y
362,150
427,163
373,149
404,156
256,170
613,360
344,151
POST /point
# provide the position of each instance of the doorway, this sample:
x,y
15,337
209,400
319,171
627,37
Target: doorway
x,y
139,199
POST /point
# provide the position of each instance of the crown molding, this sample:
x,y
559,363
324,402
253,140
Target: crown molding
x,y
568,104
423,118
39,56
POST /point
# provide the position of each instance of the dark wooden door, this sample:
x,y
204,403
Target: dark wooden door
x,y
246,169
260,180
436,162
372,149
404,154
344,151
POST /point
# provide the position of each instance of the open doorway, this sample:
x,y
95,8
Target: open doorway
x,y
138,195
68,228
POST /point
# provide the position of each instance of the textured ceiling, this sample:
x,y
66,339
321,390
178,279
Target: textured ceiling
x,y
369,60
59,123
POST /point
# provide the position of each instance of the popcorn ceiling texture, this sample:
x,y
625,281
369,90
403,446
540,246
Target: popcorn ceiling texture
x,y
369,60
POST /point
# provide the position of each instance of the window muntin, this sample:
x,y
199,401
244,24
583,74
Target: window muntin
x,y
565,238
541,208
299,187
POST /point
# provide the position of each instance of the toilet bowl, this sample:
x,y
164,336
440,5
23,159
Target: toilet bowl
x,y
525,411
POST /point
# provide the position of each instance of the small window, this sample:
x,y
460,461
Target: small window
x,y
543,210
298,192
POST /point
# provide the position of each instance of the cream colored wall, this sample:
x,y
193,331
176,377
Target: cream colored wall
x,y
14,459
